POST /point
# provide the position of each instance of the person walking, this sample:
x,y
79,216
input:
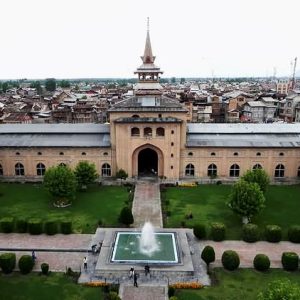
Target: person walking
x,y
85,263
131,273
33,256
135,277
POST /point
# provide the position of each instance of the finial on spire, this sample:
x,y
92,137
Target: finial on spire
x,y
148,24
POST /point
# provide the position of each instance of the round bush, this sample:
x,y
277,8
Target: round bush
x,y
217,231
45,268
294,234
273,233
261,262
250,233
35,226
208,254
200,231
230,260
7,262
26,264
7,224
66,226
51,227
21,225
290,261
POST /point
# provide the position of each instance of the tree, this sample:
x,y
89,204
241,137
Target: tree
x,y
37,85
60,181
126,216
85,174
182,80
50,84
258,176
121,174
65,83
280,289
208,255
173,80
5,86
246,199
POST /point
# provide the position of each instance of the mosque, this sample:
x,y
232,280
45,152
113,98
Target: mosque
x,y
149,135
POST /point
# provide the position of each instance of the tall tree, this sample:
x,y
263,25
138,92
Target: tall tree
x,y
246,199
65,84
60,181
50,84
85,173
258,176
37,85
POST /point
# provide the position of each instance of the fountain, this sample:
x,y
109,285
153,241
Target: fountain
x,y
148,243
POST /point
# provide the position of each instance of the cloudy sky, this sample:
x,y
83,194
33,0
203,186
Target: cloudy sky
x,y
191,38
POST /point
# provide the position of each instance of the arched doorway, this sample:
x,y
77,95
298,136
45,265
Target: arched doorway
x,y
147,162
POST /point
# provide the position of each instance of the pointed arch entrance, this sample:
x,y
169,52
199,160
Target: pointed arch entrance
x,y
147,160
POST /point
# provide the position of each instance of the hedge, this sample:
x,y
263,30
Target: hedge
x,y
66,226
294,234
7,224
217,231
273,233
35,226
261,262
51,227
45,268
290,261
199,231
21,225
7,262
26,264
250,233
230,260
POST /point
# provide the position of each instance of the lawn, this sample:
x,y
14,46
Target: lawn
x,y
32,200
35,287
240,284
208,204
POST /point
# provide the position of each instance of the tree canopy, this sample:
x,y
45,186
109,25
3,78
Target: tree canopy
x,y
258,176
50,84
279,290
85,173
246,199
60,181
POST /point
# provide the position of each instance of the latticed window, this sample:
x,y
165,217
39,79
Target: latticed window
x,y
147,131
212,170
1,170
135,131
257,166
190,170
279,171
160,131
106,170
19,169
234,171
40,169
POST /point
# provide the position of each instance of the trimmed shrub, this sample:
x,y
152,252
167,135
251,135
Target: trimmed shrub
x,y
51,227
7,224
294,234
250,233
199,231
26,264
126,216
35,226
171,291
7,262
45,268
66,226
290,261
217,231
261,262
273,233
230,260
208,255
21,225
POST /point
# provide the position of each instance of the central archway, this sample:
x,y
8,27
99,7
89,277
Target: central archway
x,y
147,162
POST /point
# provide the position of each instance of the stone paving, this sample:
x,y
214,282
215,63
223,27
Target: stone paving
x,y
146,204
144,292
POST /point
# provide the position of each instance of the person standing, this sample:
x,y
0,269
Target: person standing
x,y
85,263
33,256
135,276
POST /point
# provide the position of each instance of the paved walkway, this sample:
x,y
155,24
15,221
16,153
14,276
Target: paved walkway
x,y
144,292
146,204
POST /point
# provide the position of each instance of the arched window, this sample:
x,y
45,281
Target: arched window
x,y
190,170
172,144
17,153
234,171
61,153
212,170
135,131
62,165
257,167
1,170
172,131
235,154
190,154
83,153
172,155
19,169
279,171
135,116
106,170
160,131
213,154
40,169
298,174
147,131
39,153
258,154
105,154
281,154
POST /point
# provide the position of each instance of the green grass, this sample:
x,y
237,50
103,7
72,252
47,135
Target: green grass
x,y
241,284
52,287
208,204
32,200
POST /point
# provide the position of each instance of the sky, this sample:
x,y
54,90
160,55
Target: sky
x,y
190,38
